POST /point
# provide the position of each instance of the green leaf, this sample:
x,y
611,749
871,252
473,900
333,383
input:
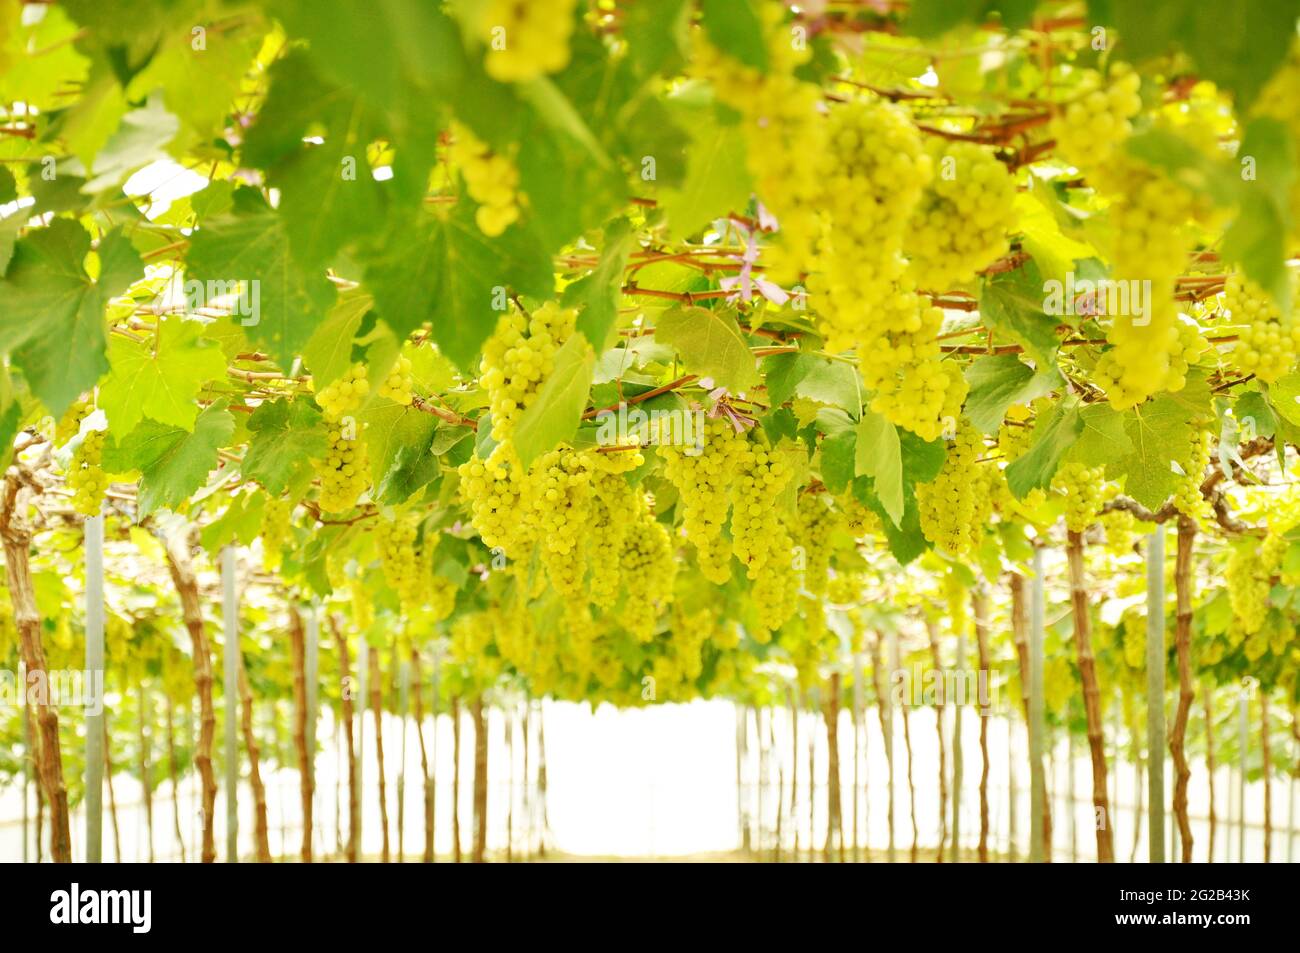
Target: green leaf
x,y
1103,438
997,382
554,416
783,372
598,293
832,382
161,382
1012,304
735,27
879,456
252,246
286,436
1160,432
139,140
241,520
173,462
839,453
1054,434
464,277
710,345
657,32
329,351
52,313
1257,237
1284,397
716,181
388,428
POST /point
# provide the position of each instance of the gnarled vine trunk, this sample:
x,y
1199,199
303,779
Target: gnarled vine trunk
x,y
377,709
354,792
1091,697
834,814
181,568
1186,691
112,798
429,802
480,781
981,610
932,629
884,713
261,829
455,779
1019,630
17,539
173,774
307,784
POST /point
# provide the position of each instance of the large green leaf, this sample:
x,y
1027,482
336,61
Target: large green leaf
x,y
286,436
997,382
710,344
553,417
173,462
159,380
879,456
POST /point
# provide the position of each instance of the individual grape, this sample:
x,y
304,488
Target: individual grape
x,y
491,179
525,40
961,223
703,481
345,471
69,424
1084,490
948,504
86,475
1268,344
399,385
276,515
340,397
518,358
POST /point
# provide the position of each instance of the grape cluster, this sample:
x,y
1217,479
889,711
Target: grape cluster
x,y
340,397
69,424
345,471
1090,129
518,357
557,500
1084,490
86,476
1268,343
961,223
1249,575
399,557
276,515
494,490
525,40
615,506
757,533
491,179
703,481
648,568
1188,499
949,504
818,524
399,385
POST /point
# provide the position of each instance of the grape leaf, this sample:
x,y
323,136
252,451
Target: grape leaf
x,y
782,374
1012,304
241,520
553,417
329,351
160,382
52,313
1054,434
710,345
879,456
735,27
173,462
1160,432
390,427
598,293
997,382
1103,438
286,435
716,181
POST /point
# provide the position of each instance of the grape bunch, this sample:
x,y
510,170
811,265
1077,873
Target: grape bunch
x,y
557,504
276,515
757,532
1249,575
340,397
494,490
648,568
962,221
818,524
615,506
703,481
1089,129
1084,488
399,385
491,179
518,357
1267,343
86,476
1188,499
949,504
69,424
345,471
400,559
525,40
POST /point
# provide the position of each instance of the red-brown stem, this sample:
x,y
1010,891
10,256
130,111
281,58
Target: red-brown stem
x,y
981,610
480,781
261,829
834,814
298,649
377,709
424,756
455,779
1186,691
939,706
354,793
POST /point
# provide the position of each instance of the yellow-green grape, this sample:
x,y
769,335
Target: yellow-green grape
x,y
1089,129
1188,499
614,508
517,358
398,385
961,223
400,559
775,590
1267,343
494,490
875,170
1084,489
703,479
859,519
757,533
557,497
492,180
948,504
345,471
275,530
86,476
818,523
1121,528
648,569
783,130
341,397
1249,575
525,40
70,423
